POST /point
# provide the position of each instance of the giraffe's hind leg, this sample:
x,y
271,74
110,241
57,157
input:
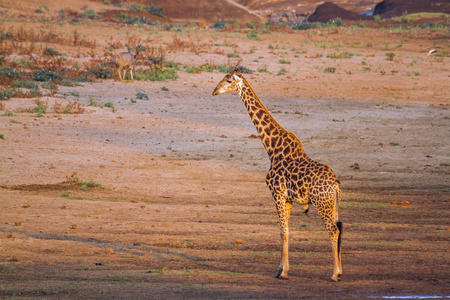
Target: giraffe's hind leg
x,y
327,210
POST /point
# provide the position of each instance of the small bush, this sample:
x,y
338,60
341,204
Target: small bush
x,y
303,25
89,14
27,84
243,69
135,7
159,72
253,35
127,19
110,105
227,69
155,10
390,56
222,24
156,60
340,55
233,55
7,72
141,96
282,72
100,72
44,75
284,62
329,70
6,94
337,22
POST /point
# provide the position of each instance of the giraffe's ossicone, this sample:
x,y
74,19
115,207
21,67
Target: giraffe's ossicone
x,y
293,176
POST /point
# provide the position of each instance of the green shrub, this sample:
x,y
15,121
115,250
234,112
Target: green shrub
x,y
329,70
337,22
155,10
27,84
100,72
159,72
7,72
227,69
89,14
253,35
221,24
44,75
303,25
282,72
6,94
127,19
340,55
135,7
390,56
141,96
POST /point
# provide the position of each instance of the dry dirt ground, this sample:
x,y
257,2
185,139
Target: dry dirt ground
x,y
180,208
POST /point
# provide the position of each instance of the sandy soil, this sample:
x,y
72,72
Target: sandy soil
x,y
182,210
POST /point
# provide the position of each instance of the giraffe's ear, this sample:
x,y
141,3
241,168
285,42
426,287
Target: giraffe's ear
x,y
236,77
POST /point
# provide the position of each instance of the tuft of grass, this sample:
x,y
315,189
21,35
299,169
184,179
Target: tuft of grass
x,y
340,55
282,71
110,105
164,89
390,56
2,136
253,35
84,185
284,62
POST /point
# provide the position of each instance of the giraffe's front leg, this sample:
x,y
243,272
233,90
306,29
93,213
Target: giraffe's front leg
x,y
284,210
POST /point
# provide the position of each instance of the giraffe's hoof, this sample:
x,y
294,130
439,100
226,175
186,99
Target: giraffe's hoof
x,y
281,276
336,277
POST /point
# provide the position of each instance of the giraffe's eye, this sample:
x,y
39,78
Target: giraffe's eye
x,y
229,81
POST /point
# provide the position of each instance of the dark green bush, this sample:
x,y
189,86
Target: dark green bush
x,y
6,94
155,10
44,75
101,72
221,24
141,96
7,72
227,69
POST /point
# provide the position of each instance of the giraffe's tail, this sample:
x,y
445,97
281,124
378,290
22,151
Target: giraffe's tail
x,y
338,222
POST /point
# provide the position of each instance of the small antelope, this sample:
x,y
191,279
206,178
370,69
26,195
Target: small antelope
x,y
125,60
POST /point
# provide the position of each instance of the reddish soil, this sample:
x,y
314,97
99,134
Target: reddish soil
x,y
182,211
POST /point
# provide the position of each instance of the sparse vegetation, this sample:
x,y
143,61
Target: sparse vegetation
x,y
282,71
390,56
141,96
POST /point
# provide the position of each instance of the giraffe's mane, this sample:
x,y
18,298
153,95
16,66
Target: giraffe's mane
x,y
273,119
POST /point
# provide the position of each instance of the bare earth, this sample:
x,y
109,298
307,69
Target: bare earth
x,y
182,210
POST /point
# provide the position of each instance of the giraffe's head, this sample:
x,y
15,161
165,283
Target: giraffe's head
x,y
229,83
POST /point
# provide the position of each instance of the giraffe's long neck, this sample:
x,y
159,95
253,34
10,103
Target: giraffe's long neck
x,y
277,140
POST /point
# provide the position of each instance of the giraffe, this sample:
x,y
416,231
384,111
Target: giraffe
x,y
293,176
